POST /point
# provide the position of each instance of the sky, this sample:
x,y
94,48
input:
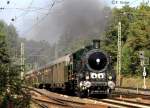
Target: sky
x,y
27,14
24,12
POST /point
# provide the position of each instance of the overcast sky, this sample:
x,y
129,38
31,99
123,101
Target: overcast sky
x,y
26,13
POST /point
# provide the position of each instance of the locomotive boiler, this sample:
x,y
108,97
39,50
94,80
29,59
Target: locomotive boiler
x,y
85,72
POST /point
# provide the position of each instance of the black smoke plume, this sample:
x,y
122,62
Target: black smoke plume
x,y
73,19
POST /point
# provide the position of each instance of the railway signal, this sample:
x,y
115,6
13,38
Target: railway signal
x,y
144,61
144,72
144,75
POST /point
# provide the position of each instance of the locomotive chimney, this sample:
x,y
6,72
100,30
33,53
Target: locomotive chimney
x,y
96,44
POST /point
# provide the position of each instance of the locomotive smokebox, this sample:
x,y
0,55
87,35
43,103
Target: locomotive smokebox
x,y
96,44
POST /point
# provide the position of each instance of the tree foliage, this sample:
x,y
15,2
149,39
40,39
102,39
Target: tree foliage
x,y
4,57
10,82
135,36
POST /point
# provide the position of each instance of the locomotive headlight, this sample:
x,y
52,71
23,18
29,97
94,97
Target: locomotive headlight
x,y
111,84
101,75
93,75
110,77
87,84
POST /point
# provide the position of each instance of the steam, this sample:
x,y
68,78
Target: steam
x,y
74,19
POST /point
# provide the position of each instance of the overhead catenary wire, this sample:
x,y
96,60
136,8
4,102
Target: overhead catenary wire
x,y
31,9
2,7
42,19
23,14
38,10
25,9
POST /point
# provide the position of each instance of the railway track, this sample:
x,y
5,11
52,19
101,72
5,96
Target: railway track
x,y
39,104
60,103
124,104
64,102
112,102
47,103
132,97
45,99
129,90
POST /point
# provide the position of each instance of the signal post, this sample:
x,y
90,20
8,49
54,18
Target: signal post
x,y
144,61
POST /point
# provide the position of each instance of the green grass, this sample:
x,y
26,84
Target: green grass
x,y
134,81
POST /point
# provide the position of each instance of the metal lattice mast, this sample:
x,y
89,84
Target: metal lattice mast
x,y
119,53
22,60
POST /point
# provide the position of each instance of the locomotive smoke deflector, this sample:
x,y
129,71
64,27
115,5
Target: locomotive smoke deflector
x,y
96,44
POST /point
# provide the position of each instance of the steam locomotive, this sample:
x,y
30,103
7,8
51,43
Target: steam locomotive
x,y
85,72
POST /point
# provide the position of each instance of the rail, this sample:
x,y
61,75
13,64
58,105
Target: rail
x,y
129,90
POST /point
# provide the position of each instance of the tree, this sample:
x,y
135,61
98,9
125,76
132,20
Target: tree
x,y
10,83
12,41
4,58
135,36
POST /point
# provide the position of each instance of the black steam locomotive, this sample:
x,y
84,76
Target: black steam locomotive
x,y
84,72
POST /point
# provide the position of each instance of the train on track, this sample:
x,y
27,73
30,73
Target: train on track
x,y
84,72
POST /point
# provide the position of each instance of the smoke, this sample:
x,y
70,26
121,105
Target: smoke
x,y
73,18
